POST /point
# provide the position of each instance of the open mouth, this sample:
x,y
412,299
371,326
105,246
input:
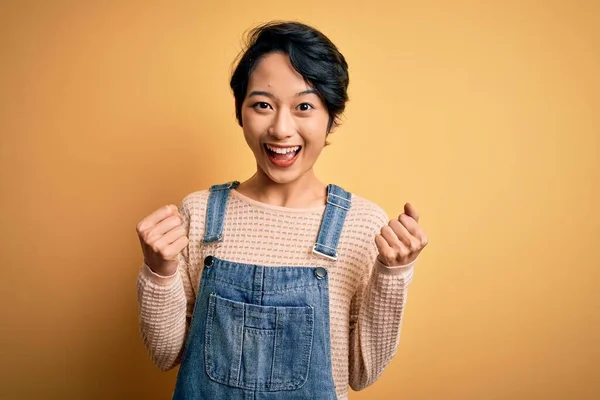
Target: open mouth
x,y
282,156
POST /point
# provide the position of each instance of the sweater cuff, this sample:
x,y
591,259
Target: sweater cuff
x,y
397,270
161,280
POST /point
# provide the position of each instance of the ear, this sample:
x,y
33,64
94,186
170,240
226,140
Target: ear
x,y
334,126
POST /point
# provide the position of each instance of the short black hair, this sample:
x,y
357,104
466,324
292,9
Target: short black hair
x,y
311,53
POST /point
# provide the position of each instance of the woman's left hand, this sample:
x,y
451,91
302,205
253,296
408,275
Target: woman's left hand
x,y
401,240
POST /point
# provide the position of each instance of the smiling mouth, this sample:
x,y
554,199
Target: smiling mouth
x,y
282,156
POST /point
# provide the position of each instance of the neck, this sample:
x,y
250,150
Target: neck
x,y
305,192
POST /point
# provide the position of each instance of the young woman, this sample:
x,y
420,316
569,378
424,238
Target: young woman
x,y
281,286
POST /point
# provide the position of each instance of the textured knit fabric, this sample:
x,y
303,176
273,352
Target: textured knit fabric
x,y
367,299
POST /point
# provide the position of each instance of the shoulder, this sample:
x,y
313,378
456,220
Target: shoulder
x,y
363,222
194,201
193,206
198,199
193,209
367,213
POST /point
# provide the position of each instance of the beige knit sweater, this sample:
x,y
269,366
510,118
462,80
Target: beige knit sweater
x,y
367,299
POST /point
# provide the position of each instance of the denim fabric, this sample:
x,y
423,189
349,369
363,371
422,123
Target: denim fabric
x,y
215,211
261,332
338,203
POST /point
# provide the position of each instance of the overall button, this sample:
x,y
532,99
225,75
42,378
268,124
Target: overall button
x,y
320,272
208,261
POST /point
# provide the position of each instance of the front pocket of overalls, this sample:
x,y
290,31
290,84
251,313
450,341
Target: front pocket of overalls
x,y
258,347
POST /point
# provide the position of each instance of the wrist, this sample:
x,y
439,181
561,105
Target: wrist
x,y
162,278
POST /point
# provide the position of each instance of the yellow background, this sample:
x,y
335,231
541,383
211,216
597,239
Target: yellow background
x,y
485,115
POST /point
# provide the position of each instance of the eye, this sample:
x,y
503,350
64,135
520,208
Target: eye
x,y
261,105
305,107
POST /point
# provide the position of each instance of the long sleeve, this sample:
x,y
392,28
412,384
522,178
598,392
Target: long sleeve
x,y
375,322
367,299
165,305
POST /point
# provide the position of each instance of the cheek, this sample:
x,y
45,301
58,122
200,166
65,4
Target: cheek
x,y
254,124
314,129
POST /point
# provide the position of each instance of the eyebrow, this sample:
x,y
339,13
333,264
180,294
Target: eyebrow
x,y
272,96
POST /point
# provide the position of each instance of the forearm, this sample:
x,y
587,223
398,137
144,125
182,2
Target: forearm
x,y
376,333
162,316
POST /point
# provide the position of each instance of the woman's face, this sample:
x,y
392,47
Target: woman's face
x,y
284,120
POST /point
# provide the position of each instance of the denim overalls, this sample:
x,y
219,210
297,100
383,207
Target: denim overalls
x,y
261,332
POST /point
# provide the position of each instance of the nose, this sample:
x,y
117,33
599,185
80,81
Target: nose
x,y
282,125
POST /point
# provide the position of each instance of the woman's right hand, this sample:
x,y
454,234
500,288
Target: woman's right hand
x,y
162,236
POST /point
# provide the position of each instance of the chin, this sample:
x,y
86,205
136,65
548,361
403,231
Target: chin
x,y
283,177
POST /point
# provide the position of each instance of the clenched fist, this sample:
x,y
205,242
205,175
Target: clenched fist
x,y
162,236
401,241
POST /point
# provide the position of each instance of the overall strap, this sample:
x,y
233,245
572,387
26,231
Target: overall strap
x,y
215,211
338,204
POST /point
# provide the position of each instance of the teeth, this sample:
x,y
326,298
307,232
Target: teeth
x,y
283,150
